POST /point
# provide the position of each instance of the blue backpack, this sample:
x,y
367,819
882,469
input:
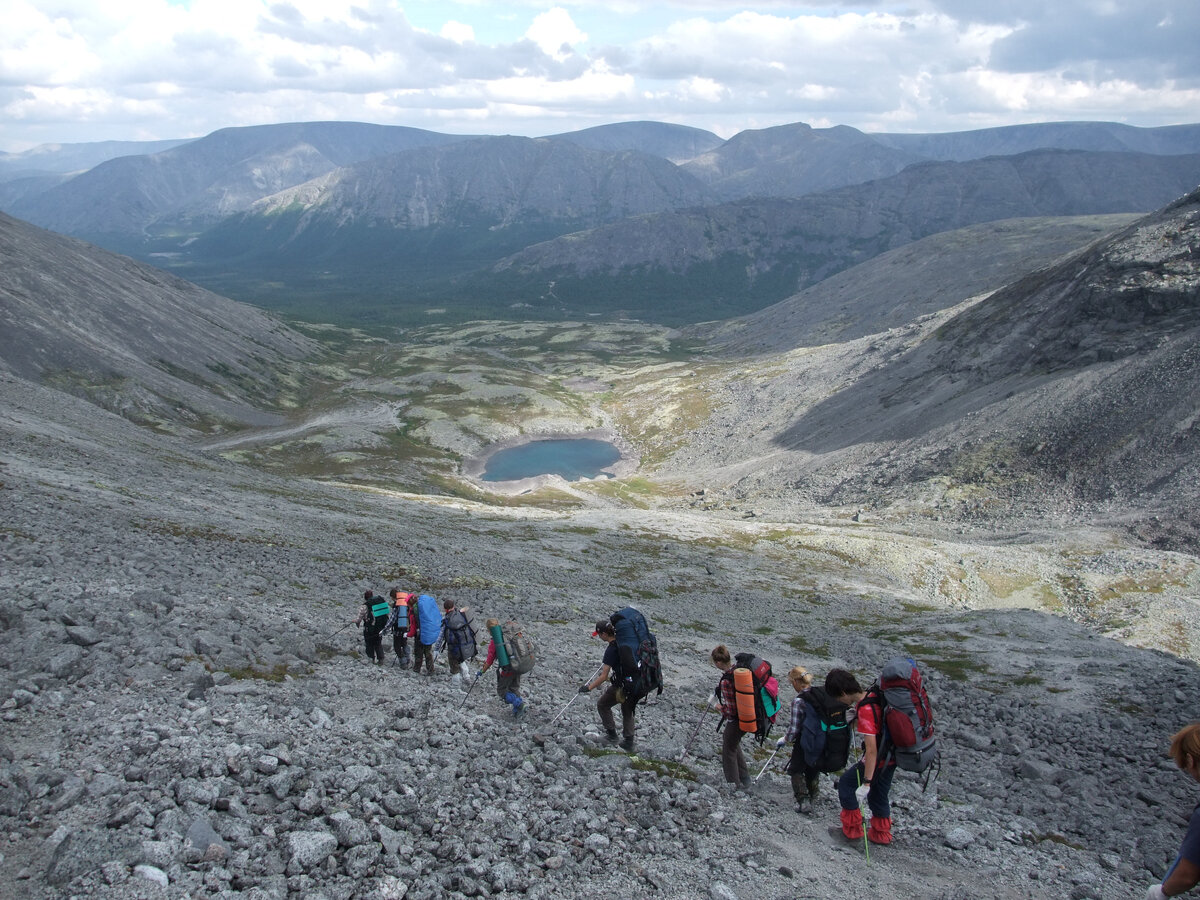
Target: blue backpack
x,y
429,620
639,670
825,733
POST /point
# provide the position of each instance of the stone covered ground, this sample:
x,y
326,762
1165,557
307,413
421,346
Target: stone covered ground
x,y
185,714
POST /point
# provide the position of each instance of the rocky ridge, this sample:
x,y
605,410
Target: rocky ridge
x,y
186,714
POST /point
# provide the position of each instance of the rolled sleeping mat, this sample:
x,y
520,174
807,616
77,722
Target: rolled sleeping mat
x,y
743,686
501,652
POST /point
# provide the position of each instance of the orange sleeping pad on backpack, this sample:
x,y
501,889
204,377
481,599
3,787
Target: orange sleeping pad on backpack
x,y
743,686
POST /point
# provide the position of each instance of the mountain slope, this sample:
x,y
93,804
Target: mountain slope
x,y
676,143
60,159
195,184
898,287
1071,394
136,340
794,160
1170,140
726,260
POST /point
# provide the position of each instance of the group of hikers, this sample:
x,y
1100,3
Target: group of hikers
x,y
421,631
820,727
885,726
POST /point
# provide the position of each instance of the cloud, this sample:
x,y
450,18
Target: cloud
x,y
85,70
555,33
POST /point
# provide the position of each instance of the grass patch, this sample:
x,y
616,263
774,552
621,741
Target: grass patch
x,y
277,672
800,643
664,768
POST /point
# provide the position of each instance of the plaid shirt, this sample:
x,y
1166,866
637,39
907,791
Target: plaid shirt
x,y
727,694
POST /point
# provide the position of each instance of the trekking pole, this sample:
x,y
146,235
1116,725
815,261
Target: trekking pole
x,y
339,631
692,739
576,697
767,763
474,682
858,774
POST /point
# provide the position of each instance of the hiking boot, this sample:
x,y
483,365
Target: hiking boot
x,y
611,734
627,744
804,806
519,708
852,824
880,831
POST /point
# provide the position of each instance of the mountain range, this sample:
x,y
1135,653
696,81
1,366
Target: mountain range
x,y
337,220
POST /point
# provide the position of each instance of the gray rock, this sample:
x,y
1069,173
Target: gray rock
x,y
959,838
203,844
83,635
151,873
308,849
86,850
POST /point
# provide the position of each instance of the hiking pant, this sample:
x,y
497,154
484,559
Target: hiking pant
x,y
804,777
455,661
733,761
877,799
506,683
400,645
605,705
423,652
374,642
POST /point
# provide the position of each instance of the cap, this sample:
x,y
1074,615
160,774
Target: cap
x,y
603,626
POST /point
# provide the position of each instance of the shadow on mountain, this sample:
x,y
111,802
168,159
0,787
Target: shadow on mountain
x,y
1090,368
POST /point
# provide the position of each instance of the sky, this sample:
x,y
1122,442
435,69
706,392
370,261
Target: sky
x,y
79,70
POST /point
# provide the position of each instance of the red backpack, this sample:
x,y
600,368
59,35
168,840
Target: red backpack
x,y
907,720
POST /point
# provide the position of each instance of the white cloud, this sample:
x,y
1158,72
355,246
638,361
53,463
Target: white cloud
x,y
77,70
458,32
555,33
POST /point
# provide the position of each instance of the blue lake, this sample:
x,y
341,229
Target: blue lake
x,y
572,458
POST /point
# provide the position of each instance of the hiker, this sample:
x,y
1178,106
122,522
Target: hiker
x,y
425,629
398,622
733,760
868,781
805,778
508,682
611,666
458,637
373,616
1184,873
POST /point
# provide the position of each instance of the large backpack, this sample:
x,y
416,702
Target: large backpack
x,y
399,617
766,692
825,734
522,655
460,636
639,669
429,620
907,716
379,611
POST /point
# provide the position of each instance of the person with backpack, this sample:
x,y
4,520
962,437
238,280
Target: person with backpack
x,y
373,617
804,779
1184,873
398,623
733,760
508,681
820,729
869,781
610,666
458,637
425,630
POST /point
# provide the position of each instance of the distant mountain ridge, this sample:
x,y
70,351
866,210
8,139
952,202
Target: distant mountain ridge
x,y
720,255
346,219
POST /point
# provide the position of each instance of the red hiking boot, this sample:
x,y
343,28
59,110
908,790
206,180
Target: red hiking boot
x,y
880,831
852,824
